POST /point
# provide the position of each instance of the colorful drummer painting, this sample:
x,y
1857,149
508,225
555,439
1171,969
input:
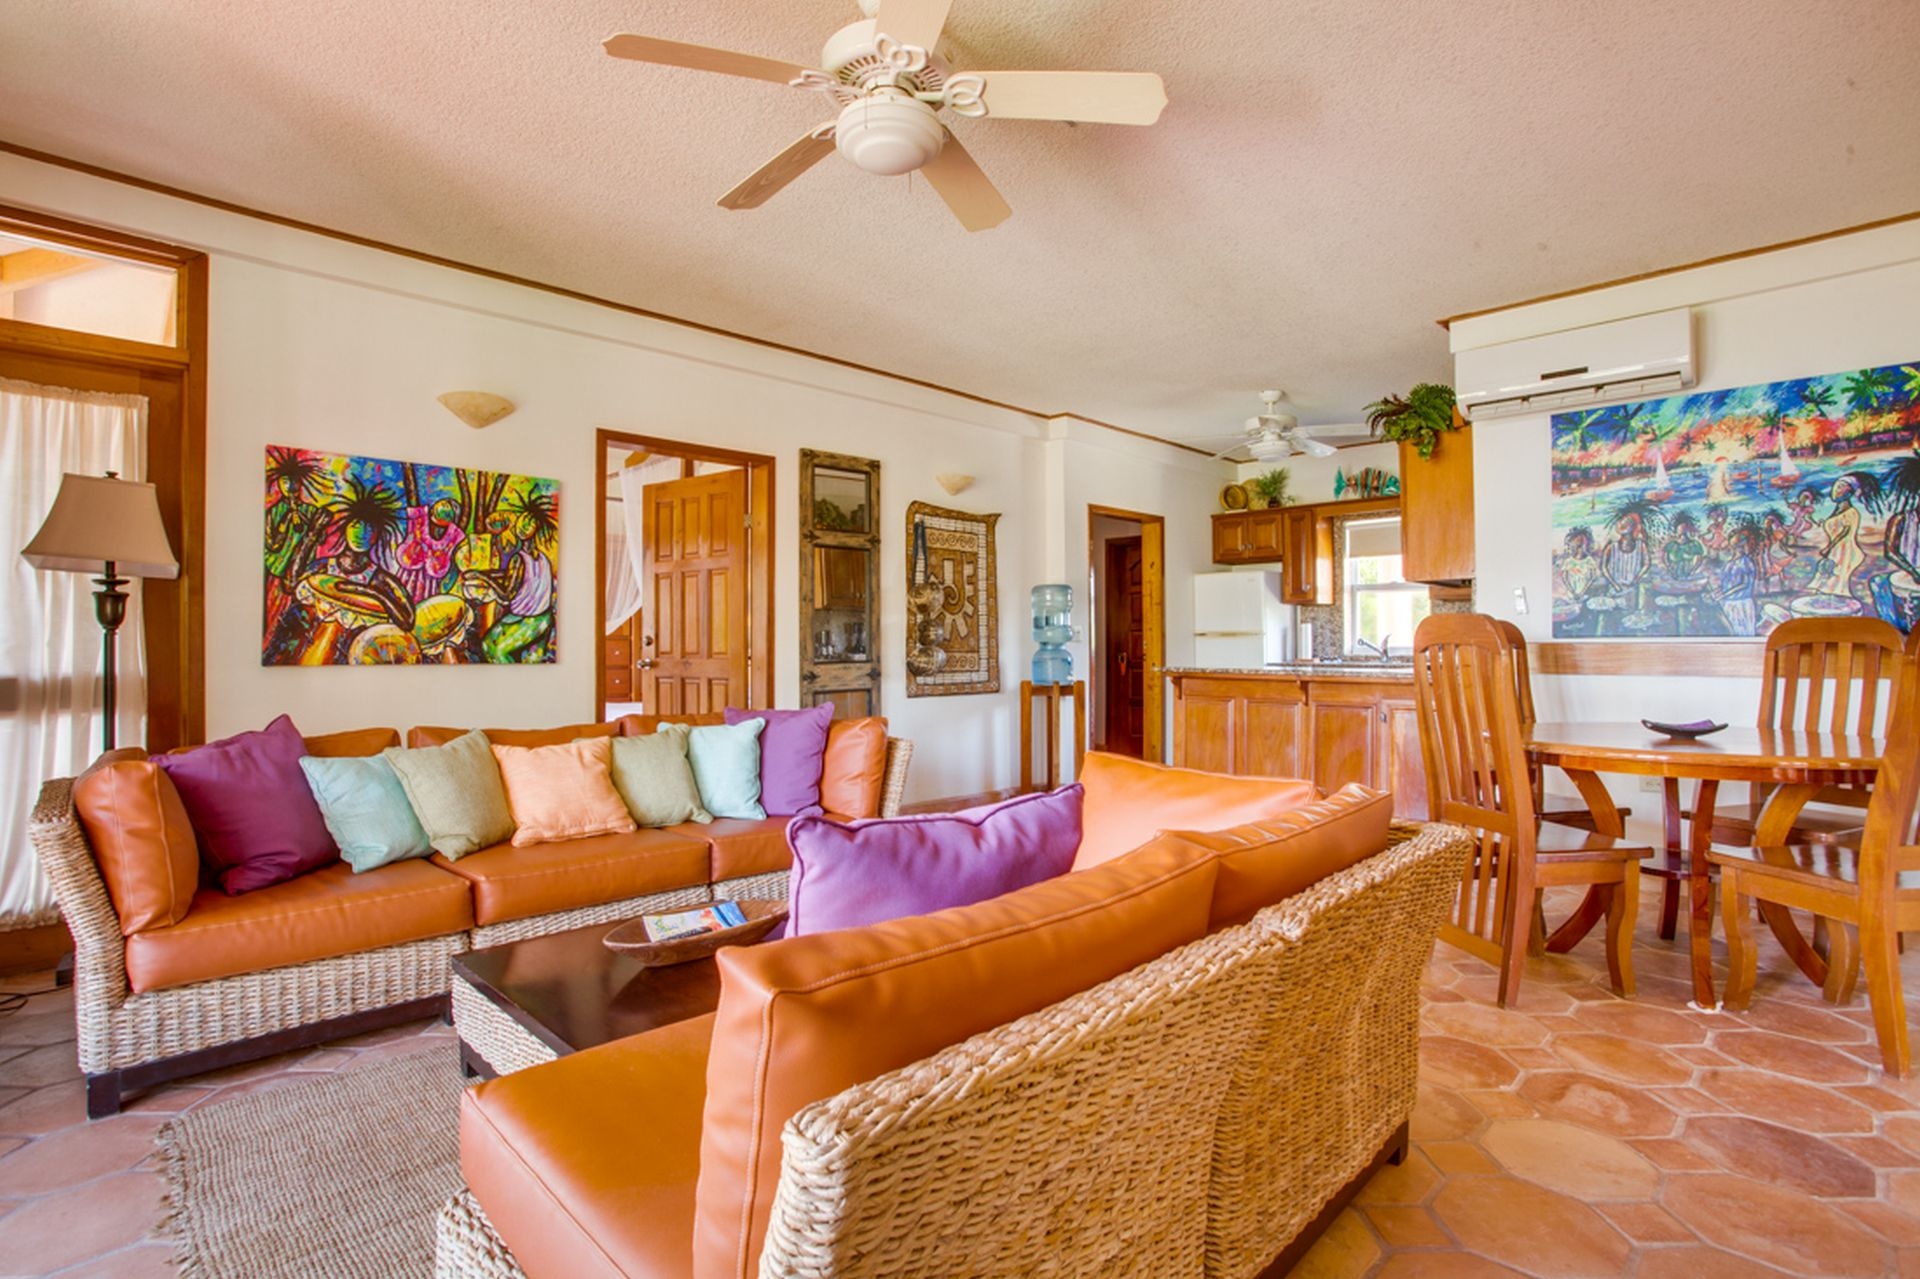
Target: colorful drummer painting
x,y
374,562
1728,512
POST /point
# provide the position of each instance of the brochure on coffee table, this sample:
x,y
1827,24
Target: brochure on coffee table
x,y
672,925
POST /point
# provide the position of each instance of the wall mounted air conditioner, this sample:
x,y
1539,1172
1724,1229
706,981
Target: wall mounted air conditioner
x,y
1634,359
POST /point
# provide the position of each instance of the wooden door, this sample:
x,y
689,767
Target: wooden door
x,y
693,646
1125,619
1344,738
1398,753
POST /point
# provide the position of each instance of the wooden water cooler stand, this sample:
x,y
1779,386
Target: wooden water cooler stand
x,y
1049,695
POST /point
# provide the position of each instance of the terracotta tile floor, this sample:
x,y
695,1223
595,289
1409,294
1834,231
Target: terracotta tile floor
x,y
1576,1135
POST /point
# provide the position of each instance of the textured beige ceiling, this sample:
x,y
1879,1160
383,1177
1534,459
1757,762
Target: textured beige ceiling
x,y
1330,177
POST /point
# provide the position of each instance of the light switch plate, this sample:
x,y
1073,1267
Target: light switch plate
x,y
1520,600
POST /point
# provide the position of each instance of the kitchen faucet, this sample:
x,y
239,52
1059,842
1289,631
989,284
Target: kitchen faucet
x,y
1378,650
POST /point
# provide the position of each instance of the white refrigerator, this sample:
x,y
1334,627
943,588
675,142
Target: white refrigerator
x,y
1239,621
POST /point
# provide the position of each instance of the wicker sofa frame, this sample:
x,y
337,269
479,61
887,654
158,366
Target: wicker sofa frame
x,y
128,1041
1209,1112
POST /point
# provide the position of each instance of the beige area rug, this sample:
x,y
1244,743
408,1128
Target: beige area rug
x,y
335,1179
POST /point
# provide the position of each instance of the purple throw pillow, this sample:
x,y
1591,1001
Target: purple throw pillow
x,y
251,807
793,750
859,873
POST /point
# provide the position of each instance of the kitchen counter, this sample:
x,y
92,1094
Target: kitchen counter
x,y
1330,722
1364,672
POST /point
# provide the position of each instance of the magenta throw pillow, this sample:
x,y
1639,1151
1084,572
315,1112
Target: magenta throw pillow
x,y
858,873
793,750
251,808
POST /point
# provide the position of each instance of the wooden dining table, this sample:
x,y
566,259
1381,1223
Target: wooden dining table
x,y
1798,764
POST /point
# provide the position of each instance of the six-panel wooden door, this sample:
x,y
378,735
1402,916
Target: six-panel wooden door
x,y
693,647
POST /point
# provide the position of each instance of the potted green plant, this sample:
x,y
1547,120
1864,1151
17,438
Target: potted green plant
x,y
1269,489
1416,418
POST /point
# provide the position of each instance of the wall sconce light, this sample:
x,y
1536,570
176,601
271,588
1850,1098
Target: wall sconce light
x,y
477,409
953,483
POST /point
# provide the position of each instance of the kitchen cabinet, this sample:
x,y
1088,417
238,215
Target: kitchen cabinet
x,y
1332,729
1248,727
1248,537
1436,510
1306,561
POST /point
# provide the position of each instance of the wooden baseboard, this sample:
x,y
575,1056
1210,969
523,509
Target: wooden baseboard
x,y
33,950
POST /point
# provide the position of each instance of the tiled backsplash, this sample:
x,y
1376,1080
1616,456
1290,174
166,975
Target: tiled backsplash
x,y
1329,620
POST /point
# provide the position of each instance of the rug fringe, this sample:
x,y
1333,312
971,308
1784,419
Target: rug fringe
x,y
173,1208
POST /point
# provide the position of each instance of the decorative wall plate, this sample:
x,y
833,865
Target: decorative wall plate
x,y
1233,497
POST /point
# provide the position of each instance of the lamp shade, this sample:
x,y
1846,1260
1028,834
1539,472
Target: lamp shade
x,y
97,518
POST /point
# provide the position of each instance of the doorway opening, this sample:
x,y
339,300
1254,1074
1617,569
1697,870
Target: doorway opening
x,y
684,541
1127,640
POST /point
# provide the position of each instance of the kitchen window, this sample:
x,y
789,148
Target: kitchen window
x,y
1382,608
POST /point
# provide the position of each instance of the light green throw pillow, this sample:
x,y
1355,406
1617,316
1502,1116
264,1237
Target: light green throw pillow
x,y
366,810
456,793
655,780
726,767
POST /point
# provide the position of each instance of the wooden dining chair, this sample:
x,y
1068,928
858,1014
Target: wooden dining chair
x,y
1821,675
1473,743
1523,685
1869,896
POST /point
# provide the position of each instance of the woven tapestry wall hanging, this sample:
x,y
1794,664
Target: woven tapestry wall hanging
x,y
953,630
381,563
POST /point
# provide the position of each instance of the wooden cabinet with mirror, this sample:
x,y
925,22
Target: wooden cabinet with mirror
x,y
840,583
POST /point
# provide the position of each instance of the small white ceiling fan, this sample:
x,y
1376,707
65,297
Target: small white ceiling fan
x,y
1275,434
890,87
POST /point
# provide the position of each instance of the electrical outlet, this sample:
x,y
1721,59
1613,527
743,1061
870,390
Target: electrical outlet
x,y
1651,785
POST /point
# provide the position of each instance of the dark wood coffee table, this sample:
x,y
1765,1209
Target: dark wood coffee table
x,y
527,1002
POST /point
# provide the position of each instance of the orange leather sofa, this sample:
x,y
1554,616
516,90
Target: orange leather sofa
x,y
673,1153
333,952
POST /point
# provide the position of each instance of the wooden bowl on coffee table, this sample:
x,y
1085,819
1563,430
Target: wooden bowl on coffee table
x,y
630,938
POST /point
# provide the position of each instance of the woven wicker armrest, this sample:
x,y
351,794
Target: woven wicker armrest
x,y
100,954
893,787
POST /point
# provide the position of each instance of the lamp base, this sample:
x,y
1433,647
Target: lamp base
x,y
110,609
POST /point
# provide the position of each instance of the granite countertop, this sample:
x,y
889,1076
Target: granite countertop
x,y
1367,672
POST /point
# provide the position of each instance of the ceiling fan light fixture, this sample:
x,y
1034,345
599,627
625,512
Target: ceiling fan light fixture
x,y
889,134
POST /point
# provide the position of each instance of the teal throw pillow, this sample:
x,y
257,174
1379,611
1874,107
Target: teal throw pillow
x,y
366,810
726,767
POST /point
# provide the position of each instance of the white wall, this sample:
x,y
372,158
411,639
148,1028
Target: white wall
x,y
328,345
1310,479
1844,303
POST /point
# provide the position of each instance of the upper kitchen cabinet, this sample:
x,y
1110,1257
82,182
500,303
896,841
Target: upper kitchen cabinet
x,y
1248,537
1436,510
1306,561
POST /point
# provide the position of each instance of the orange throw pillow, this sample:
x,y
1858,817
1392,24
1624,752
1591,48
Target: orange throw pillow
x,y
141,839
562,792
854,771
1268,860
1129,802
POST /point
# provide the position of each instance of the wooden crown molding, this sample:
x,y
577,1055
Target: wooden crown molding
x,y
434,259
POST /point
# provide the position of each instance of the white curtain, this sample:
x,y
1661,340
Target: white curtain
x,y
49,640
625,549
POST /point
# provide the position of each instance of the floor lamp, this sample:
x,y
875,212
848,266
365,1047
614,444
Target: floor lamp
x,y
104,522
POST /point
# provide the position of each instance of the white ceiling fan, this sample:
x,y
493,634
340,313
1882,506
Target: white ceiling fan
x,y
1275,434
890,87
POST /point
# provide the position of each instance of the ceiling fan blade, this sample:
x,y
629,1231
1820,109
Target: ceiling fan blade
x,y
913,21
1223,452
698,57
1314,448
777,172
1093,97
966,190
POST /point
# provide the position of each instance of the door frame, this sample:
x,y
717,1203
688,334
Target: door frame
x,y
760,545
174,609
1121,545
1153,603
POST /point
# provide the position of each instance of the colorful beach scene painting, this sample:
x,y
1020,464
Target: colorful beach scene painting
x,y
376,562
1728,512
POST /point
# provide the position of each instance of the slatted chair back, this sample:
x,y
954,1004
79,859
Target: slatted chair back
x,y
1472,741
1890,843
1823,674
1522,672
